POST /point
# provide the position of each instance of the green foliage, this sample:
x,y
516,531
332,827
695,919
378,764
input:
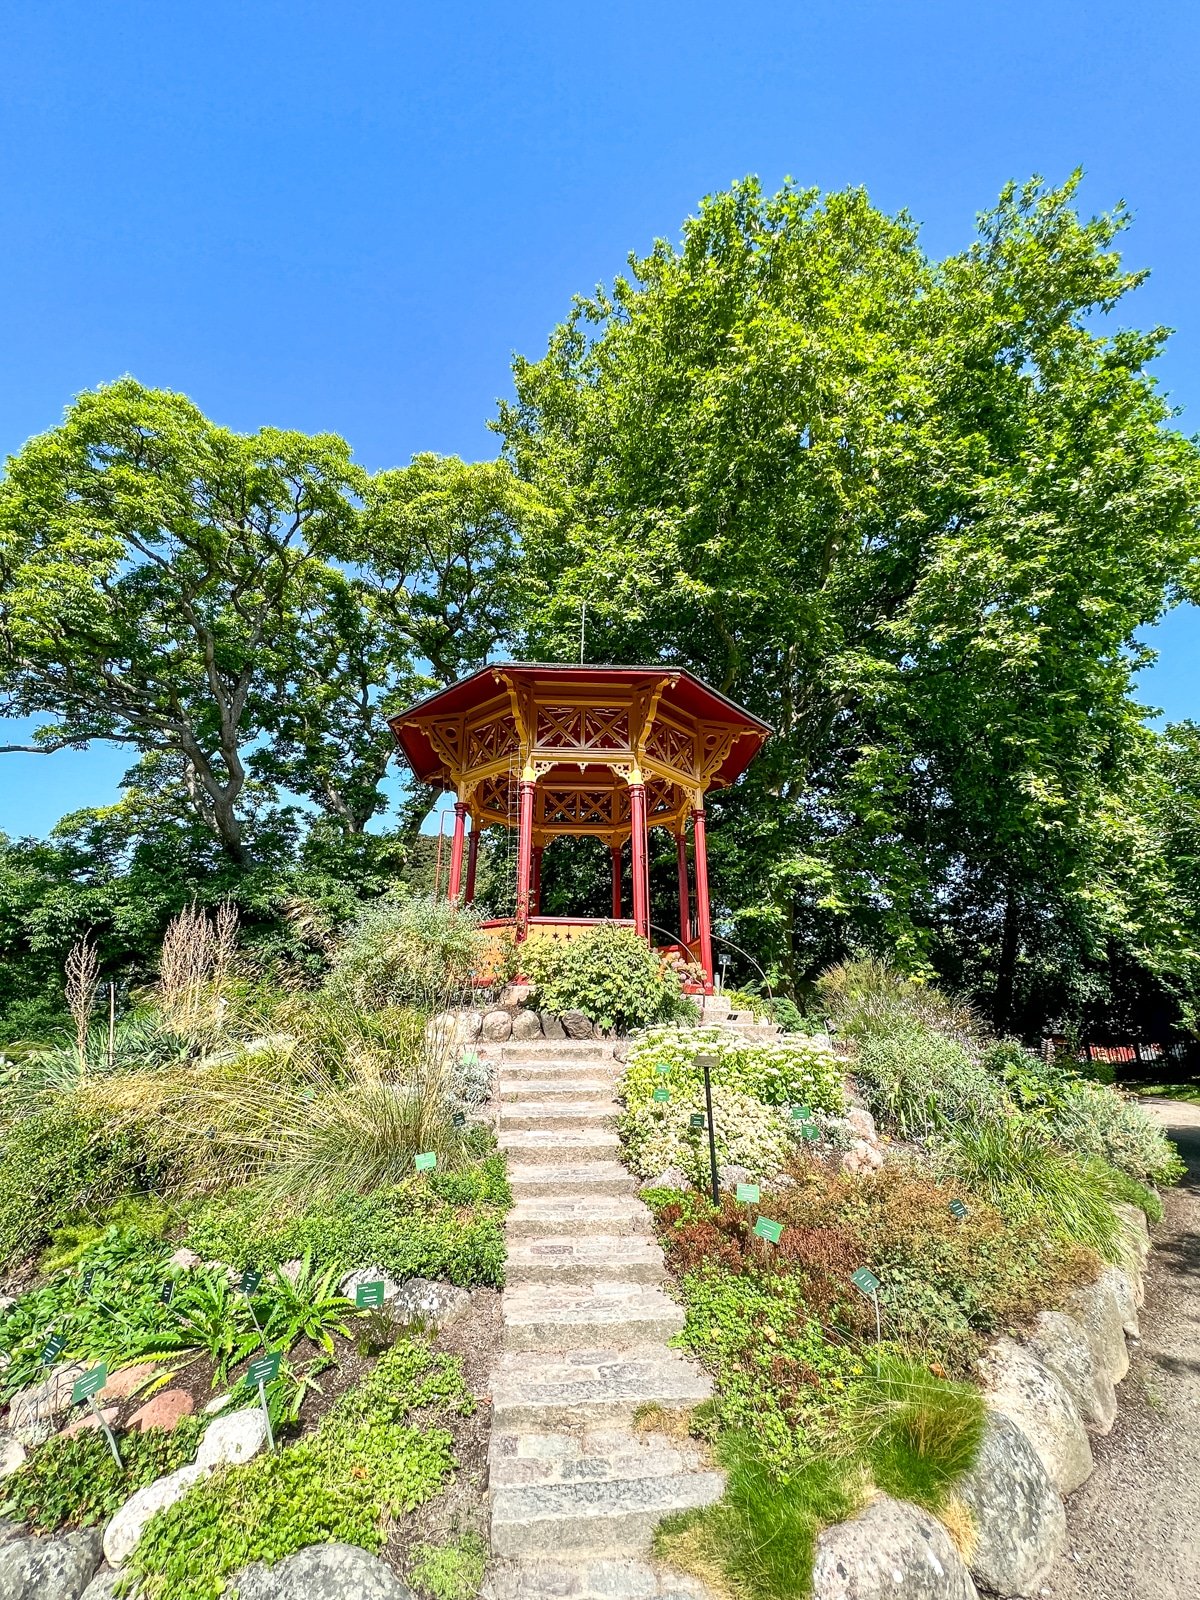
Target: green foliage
x,y
871,998
795,1072
920,1081
452,1571
1096,1121
407,951
609,974
305,1306
364,1464
748,1134
74,1482
919,1433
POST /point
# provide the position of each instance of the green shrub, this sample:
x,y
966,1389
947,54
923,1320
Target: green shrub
x,y
919,1081
608,973
74,1482
452,1571
870,999
748,1134
364,1464
776,1073
1097,1121
407,952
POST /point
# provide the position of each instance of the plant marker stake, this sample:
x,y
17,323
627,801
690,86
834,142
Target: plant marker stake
x,y
865,1281
86,1389
250,1282
263,1371
706,1062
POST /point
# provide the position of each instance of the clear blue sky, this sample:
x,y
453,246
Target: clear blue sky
x,y
348,216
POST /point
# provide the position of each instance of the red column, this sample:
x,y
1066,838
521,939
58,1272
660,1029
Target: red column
x,y
524,855
456,850
614,851
685,899
472,860
535,888
637,868
703,912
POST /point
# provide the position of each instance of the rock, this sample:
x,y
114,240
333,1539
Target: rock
x,y
125,1528
322,1572
187,1260
576,1025
452,1028
1120,1285
497,1027
861,1124
1020,1524
89,1422
729,1177
890,1551
215,1406
33,1411
1098,1311
103,1586
166,1409
11,1530
123,1385
515,994
349,1285
429,1300
58,1568
1062,1346
527,1025
670,1178
862,1156
1135,1231
7,1302
12,1453
621,1050
552,1028
1021,1388
233,1438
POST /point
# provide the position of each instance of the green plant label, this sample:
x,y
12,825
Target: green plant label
x,y
800,1113
86,1282
426,1161
662,1094
91,1383
251,1279
167,1293
53,1348
697,1119
468,1059
368,1296
748,1192
772,1232
265,1369
458,1119
865,1281
662,1068
809,1130
957,1209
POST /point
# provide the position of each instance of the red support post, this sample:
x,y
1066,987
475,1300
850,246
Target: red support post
x,y
685,899
456,851
524,854
472,860
638,867
614,851
535,888
703,909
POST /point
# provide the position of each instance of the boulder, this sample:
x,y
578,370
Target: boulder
x,y
350,1283
431,1301
58,1568
729,1177
185,1259
233,1438
1020,1524
217,1404
527,1025
1098,1311
89,1422
12,1453
890,1551
1062,1346
497,1027
862,1156
515,994
452,1028
576,1025
552,1028
1120,1285
125,1528
1135,1231
321,1572
166,1409
861,1124
103,1586
33,1411
125,1384
670,1178
1021,1388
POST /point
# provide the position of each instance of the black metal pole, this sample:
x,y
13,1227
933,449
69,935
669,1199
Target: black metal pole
x,y
706,1063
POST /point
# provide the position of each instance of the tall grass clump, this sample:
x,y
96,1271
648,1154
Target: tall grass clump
x,y
920,1433
194,969
408,952
918,1082
868,997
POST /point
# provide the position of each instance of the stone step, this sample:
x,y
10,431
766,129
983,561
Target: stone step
x,y
563,1050
565,1316
548,1391
600,1454
564,1177
558,1145
534,1215
595,1258
568,1084
555,1113
589,1578
610,1518
608,1072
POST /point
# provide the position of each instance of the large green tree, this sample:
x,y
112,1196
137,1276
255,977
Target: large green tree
x,y
914,513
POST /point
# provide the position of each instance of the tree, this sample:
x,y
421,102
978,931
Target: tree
x,y
913,513
153,568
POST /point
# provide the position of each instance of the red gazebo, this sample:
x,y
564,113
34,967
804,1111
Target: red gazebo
x,y
605,751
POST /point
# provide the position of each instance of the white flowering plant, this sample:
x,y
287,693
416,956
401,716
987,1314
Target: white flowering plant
x,y
794,1071
659,1134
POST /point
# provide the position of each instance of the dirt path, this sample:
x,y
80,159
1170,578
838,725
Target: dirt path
x,y
1134,1527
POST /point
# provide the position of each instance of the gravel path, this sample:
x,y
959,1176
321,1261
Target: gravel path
x,y
1134,1527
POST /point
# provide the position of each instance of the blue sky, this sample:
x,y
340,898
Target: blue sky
x,y
349,216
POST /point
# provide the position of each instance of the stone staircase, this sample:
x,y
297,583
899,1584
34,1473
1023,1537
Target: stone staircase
x,y
576,1487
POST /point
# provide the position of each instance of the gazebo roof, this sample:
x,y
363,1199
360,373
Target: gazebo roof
x,y
677,693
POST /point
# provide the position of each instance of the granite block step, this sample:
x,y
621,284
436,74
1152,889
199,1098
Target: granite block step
x,y
581,1088
539,1316
569,1177
548,1390
590,1259
589,1578
534,1215
610,1518
566,1112
599,1454
564,1050
558,1145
